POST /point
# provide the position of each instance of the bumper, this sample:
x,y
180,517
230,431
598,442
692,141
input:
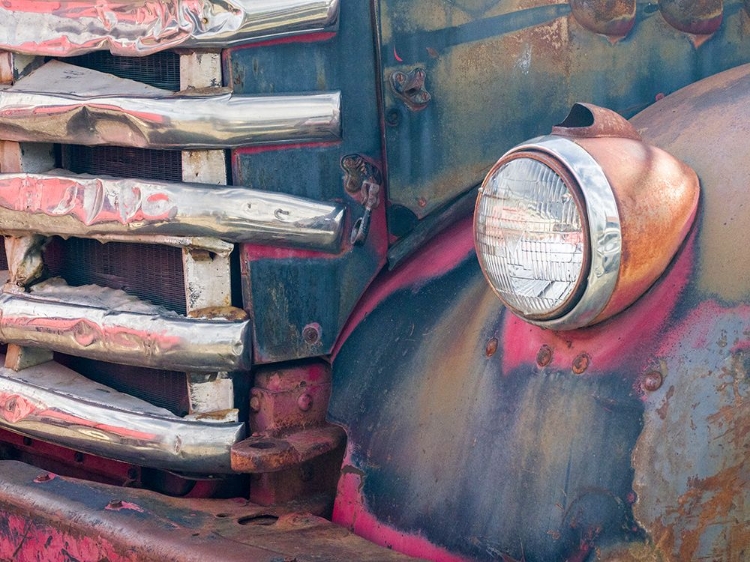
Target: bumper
x,y
47,517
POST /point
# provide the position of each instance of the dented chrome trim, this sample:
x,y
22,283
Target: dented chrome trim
x,y
67,27
158,341
53,403
61,103
61,203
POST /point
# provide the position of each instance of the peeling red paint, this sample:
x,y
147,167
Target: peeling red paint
x,y
350,511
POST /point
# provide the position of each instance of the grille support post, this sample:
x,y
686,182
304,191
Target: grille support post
x,y
207,276
24,254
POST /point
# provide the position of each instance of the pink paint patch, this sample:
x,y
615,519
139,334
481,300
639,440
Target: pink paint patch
x,y
350,511
625,341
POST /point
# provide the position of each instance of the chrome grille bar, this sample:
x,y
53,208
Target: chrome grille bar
x,y
144,338
53,403
30,112
70,27
65,204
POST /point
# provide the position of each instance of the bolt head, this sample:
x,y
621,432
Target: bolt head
x,y
581,363
311,334
544,356
652,381
305,402
255,403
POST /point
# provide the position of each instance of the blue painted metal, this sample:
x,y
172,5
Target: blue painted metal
x,y
500,72
291,291
492,438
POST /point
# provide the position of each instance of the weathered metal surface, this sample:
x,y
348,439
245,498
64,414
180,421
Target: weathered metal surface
x,y
67,104
289,398
331,284
482,59
623,441
263,453
67,28
80,205
55,404
613,18
96,322
48,517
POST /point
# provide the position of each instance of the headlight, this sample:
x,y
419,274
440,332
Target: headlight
x,y
560,219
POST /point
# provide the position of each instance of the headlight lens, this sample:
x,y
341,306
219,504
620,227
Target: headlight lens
x,y
531,235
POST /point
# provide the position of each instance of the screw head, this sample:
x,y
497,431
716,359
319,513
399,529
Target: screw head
x,y
652,381
305,402
544,356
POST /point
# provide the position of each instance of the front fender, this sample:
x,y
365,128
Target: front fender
x,y
474,435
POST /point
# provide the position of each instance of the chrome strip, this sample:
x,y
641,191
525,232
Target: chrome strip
x,y
70,27
604,229
53,403
66,204
157,340
88,113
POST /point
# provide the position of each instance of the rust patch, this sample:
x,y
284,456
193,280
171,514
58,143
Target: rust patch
x,y
581,363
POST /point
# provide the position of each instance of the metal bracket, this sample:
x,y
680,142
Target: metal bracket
x,y
409,88
365,179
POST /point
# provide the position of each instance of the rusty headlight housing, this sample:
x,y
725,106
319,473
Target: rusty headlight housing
x,y
573,227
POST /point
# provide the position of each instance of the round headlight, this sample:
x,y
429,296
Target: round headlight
x,y
531,235
547,233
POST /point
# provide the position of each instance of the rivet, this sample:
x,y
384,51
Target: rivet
x,y
393,117
581,363
491,347
27,441
422,202
43,478
311,334
652,381
544,356
114,504
78,456
305,402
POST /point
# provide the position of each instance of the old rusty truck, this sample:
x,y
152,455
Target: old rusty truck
x,y
374,280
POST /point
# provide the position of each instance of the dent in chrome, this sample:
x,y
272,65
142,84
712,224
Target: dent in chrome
x,y
108,325
65,204
69,27
88,112
53,403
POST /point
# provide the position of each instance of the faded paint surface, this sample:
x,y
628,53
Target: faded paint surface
x,y
481,58
488,437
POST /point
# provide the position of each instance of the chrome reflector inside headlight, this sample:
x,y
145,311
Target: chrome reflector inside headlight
x,y
531,237
547,233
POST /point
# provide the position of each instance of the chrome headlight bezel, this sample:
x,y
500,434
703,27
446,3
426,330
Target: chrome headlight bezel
x,y
586,179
